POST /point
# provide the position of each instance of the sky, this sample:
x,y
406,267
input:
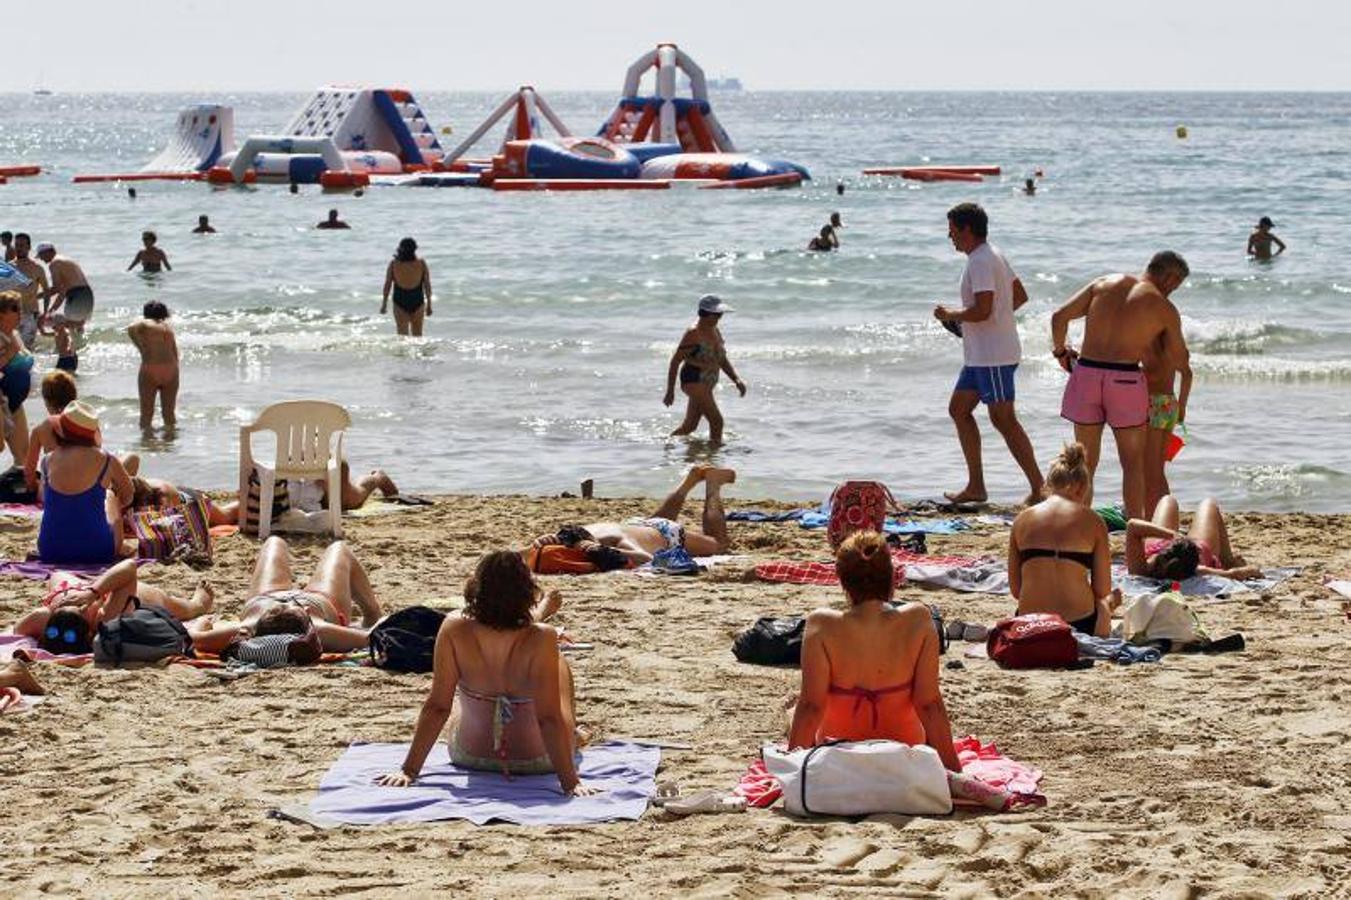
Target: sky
x,y
194,45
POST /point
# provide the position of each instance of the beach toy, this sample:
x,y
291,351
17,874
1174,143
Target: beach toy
x,y
1175,444
1182,132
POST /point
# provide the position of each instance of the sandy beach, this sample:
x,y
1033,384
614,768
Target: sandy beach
x,y
1198,776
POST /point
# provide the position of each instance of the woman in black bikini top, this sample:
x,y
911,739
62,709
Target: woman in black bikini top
x,y
1059,530
411,303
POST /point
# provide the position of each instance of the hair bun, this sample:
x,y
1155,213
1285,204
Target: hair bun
x,y
1072,455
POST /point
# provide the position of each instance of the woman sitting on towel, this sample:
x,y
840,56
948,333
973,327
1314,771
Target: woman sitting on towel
x,y
1157,549
74,607
1059,559
84,489
871,671
502,669
325,606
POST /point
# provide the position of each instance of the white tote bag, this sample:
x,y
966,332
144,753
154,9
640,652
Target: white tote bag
x,y
859,778
1160,616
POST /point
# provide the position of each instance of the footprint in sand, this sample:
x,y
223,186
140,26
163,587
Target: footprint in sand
x,y
844,853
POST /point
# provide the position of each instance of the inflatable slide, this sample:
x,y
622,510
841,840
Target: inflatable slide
x,y
202,135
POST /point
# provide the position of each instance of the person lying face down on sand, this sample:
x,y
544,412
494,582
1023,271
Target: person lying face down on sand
x,y
871,670
514,690
638,539
69,616
1157,549
328,600
1059,558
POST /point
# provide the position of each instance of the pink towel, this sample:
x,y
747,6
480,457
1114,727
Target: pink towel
x,y
16,646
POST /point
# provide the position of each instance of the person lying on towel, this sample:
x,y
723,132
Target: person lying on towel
x,y
871,670
74,607
1157,549
635,541
325,605
514,690
1059,558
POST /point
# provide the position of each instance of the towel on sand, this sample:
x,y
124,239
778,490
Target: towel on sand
x,y
816,519
992,780
17,646
760,515
1115,650
1200,585
21,510
790,571
625,774
37,570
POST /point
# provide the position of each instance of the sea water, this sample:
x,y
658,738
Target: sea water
x,y
555,314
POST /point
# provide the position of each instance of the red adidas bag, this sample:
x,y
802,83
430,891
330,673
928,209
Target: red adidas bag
x,y
1033,641
858,506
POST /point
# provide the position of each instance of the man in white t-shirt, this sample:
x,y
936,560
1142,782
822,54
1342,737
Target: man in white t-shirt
x,y
991,351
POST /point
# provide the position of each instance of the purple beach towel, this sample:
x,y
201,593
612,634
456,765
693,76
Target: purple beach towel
x,y
36,570
625,774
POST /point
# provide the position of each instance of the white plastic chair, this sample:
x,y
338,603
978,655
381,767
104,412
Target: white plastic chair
x,y
305,449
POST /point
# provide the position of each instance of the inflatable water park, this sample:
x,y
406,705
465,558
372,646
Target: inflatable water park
x,y
351,137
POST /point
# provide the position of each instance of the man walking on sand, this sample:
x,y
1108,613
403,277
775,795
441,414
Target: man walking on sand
x,y
1128,320
991,351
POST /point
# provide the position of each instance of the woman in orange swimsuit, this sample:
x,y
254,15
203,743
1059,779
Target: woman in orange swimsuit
x,y
501,671
871,671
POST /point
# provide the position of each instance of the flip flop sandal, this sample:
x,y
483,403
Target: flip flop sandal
x,y
667,792
709,803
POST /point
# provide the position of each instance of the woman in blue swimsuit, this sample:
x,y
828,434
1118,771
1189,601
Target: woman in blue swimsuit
x,y
16,375
80,524
411,283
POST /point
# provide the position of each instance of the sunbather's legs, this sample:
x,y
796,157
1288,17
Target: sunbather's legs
x,y
201,603
341,577
1208,525
675,501
714,539
1166,513
272,572
340,638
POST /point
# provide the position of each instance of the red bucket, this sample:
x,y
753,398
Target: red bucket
x,y
1175,445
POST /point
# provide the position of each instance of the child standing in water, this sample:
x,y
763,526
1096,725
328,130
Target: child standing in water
x,y
154,337
1260,241
151,258
698,360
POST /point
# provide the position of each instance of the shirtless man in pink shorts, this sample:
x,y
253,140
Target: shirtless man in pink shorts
x,y
1127,319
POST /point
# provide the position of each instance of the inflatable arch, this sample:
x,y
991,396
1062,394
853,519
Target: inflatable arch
x,y
664,117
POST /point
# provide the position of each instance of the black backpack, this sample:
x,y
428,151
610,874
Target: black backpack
x,y
13,489
406,641
771,642
143,635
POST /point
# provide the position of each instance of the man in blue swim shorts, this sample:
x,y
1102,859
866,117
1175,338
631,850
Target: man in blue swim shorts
x,y
991,351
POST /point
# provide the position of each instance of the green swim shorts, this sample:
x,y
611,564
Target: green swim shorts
x,y
1163,411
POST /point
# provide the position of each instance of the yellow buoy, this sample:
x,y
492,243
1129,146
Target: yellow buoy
x,y
446,129
1182,132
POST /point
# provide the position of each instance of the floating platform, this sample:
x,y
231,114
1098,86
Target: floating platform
x,y
580,184
23,171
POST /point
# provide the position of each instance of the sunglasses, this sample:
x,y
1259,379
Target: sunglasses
x,y
67,636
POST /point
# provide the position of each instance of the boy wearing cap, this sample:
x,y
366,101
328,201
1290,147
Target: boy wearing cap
x,y
698,359
991,351
1260,241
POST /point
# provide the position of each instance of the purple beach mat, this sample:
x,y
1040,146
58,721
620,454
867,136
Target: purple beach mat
x,y
624,773
36,570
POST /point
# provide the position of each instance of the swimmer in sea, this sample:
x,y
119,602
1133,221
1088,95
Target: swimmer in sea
x,y
333,221
411,283
1029,187
835,222
7,241
203,226
839,188
825,241
150,258
698,359
1260,241
154,337
69,294
16,375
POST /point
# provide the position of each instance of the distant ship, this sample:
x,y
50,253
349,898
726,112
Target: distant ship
x,y
41,92
714,84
